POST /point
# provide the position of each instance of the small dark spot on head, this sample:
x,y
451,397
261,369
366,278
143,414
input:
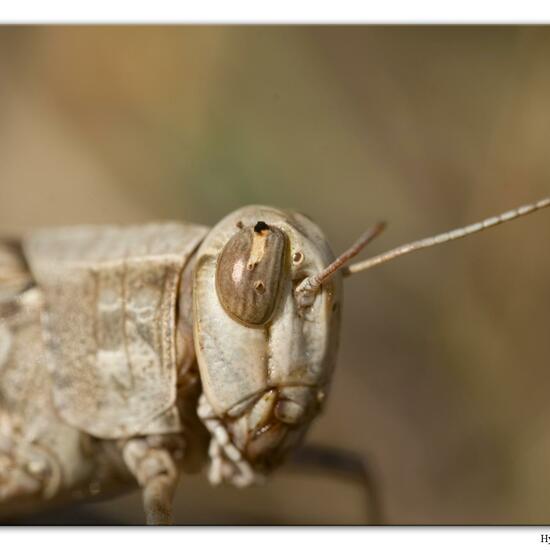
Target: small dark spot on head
x,y
239,224
260,226
297,257
259,286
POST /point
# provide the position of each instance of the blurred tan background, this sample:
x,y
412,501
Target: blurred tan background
x,y
443,374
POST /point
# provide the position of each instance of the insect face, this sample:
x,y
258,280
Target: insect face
x,y
265,358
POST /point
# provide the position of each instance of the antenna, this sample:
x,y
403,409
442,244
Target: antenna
x,y
309,286
312,284
446,237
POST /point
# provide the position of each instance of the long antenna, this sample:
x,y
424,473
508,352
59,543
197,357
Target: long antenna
x,y
307,289
312,284
446,237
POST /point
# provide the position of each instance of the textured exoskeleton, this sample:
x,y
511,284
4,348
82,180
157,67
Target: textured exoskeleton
x,y
98,372
263,378
138,353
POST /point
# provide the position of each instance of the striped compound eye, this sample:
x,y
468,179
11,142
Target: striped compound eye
x,y
249,273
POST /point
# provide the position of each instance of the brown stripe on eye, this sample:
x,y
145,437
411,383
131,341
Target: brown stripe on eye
x,y
249,272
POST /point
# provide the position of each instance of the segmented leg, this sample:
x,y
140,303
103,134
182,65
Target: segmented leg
x,y
16,481
26,469
154,463
343,463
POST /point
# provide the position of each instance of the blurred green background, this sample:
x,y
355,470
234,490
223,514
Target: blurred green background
x,y
443,378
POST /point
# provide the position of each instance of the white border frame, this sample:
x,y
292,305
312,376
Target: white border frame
x,y
282,11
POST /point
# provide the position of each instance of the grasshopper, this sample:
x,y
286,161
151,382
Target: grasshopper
x,y
134,355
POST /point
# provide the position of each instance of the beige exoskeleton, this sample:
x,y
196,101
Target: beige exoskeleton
x,y
138,353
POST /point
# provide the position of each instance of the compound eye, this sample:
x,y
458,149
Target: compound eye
x,y
249,273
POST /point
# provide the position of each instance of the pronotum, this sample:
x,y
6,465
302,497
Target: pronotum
x,y
132,355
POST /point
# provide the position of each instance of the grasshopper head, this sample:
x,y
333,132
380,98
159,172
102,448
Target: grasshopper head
x,y
267,300
265,353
